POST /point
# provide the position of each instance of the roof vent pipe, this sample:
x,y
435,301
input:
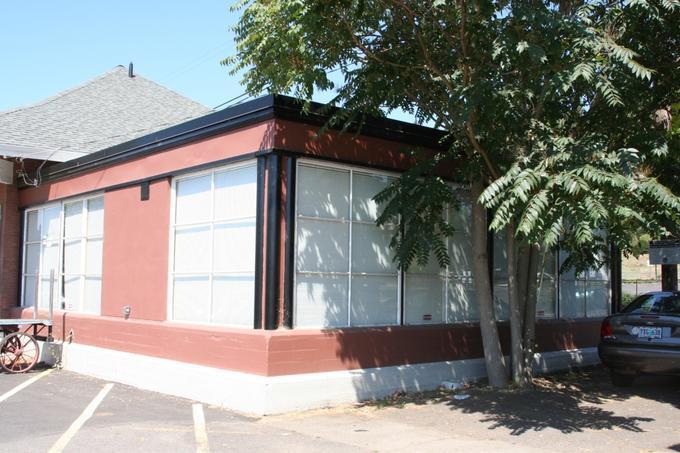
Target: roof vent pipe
x,y
130,72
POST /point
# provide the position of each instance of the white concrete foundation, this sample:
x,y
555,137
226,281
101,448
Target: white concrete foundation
x,y
275,394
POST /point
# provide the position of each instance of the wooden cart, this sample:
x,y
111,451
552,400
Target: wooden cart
x,y
19,349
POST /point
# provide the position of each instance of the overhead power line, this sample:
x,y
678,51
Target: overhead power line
x,y
227,103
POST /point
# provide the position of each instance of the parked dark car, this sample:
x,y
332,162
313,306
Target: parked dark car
x,y
643,338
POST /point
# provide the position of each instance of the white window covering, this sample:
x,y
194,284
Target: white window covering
x,y
66,238
546,285
345,275
462,300
572,296
586,295
546,291
460,291
434,295
500,277
424,294
83,247
213,261
597,292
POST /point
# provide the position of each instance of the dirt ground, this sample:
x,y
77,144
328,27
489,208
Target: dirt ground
x,y
575,411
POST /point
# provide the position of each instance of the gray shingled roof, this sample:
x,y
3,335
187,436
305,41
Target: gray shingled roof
x,y
108,110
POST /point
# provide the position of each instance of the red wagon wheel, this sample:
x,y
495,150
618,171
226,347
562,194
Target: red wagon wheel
x,y
19,352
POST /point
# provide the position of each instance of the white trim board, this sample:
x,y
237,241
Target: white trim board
x,y
276,394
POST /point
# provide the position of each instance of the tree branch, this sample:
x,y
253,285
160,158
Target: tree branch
x,y
467,78
369,53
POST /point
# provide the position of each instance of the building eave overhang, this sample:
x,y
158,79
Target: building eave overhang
x,y
256,111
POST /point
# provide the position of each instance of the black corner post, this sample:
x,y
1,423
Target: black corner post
x,y
289,271
615,279
273,241
259,236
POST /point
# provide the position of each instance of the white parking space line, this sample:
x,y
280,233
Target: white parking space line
x,y
80,421
24,384
200,432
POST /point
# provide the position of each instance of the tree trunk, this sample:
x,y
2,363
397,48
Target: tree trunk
x,y
530,310
515,307
493,354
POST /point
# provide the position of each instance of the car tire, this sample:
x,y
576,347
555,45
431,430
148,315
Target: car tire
x,y
622,379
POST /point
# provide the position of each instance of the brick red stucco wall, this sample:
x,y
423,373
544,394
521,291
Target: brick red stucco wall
x,y
135,272
135,257
10,231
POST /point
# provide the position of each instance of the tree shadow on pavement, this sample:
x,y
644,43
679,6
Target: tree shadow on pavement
x,y
567,402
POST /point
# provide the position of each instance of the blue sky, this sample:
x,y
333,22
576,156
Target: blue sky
x,y
49,46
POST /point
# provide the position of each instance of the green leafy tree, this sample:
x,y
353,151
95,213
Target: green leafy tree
x,y
667,167
547,106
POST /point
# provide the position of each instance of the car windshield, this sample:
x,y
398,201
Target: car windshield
x,y
665,304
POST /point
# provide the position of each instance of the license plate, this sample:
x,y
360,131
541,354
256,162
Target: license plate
x,y
649,332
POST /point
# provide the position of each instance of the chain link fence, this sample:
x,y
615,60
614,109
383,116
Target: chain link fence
x,y
633,288
637,287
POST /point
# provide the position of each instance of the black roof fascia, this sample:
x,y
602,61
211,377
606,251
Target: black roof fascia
x,y
289,108
255,111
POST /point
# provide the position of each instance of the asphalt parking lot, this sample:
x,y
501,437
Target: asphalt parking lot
x,y
53,411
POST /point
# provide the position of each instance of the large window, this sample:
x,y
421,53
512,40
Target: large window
x,y
500,277
345,272
434,295
585,295
65,239
213,243
546,290
345,275
546,281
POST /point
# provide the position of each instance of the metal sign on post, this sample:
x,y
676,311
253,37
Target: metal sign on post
x,y
666,251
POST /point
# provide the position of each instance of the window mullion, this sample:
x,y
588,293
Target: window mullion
x,y
447,271
212,244
24,265
349,253
171,258
38,286
83,254
61,250
556,284
401,287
